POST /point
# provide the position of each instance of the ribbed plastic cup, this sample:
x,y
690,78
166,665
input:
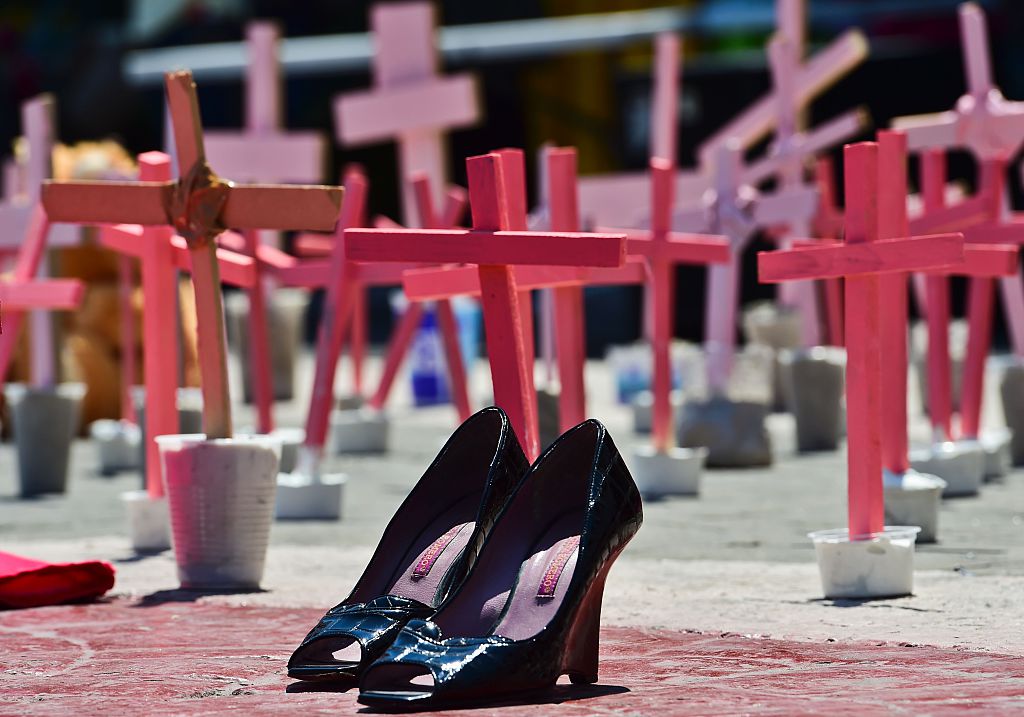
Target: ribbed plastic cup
x,y
221,498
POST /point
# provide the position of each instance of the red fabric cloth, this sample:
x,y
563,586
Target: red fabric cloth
x,y
31,583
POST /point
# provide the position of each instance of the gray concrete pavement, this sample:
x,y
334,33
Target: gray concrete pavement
x,y
734,560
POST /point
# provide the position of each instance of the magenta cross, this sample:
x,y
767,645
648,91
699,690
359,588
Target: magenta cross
x,y
862,258
496,206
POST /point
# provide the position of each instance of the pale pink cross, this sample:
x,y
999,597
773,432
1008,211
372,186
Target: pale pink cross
x,y
736,210
828,225
862,258
562,210
262,152
496,206
985,123
814,76
663,250
22,291
200,205
976,217
410,102
786,160
161,255
16,221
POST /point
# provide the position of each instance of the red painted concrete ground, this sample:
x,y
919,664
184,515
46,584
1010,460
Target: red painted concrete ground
x,y
125,657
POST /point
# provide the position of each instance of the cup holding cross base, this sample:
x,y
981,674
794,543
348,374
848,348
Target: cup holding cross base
x,y
868,567
117,445
149,521
960,463
814,381
913,498
359,430
662,474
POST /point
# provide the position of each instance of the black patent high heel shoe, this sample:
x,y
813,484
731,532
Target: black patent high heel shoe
x,y
530,610
426,551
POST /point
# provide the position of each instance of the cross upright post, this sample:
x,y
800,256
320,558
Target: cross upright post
x,y
200,205
495,249
862,258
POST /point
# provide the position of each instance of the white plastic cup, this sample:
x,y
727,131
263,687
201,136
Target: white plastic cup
x,y
878,565
117,443
149,527
675,472
221,498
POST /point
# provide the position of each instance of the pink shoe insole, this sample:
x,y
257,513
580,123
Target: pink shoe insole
x,y
543,580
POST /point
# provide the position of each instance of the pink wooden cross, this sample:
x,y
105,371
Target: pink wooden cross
x,y
496,249
861,258
984,122
161,255
663,249
200,205
982,264
410,101
566,282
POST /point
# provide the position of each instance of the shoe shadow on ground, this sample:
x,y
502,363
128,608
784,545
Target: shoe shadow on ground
x,y
556,695
340,686
162,597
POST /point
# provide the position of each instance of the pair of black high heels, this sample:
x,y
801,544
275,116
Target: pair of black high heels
x,y
488,580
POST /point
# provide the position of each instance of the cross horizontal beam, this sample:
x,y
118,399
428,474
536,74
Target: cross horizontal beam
x,y
377,114
468,246
433,283
41,294
252,206
986,260
235,269
681,248
864,258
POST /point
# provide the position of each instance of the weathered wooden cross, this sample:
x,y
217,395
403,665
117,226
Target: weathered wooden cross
x,y
862,258
410,102
495,250
161,255
199,205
